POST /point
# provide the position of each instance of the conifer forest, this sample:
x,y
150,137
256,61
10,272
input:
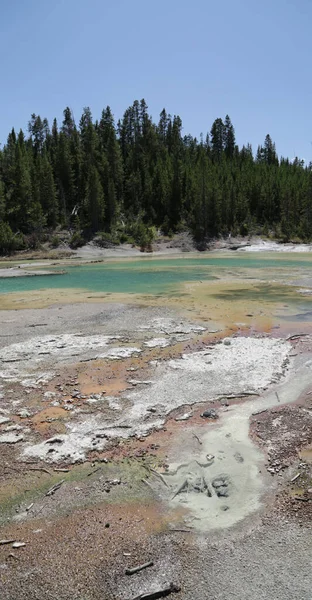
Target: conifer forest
x,y
128,179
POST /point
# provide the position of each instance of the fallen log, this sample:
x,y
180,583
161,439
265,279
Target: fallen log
x,y
159,475
302,498
139,568
161,593
58,470
42,469
181,488
3,542
55,487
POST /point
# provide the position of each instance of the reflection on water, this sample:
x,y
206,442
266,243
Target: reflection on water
x,y
305,317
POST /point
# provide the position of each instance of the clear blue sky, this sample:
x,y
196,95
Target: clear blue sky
x,y
200,59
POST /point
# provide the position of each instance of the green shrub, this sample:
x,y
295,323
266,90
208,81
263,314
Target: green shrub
x,y
243,229
32,241
55,241
9,241
144,236
76,241
105,239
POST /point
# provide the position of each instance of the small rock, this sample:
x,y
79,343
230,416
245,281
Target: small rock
x,y
238,457
184,417
18,545
24,413
210,413
11,438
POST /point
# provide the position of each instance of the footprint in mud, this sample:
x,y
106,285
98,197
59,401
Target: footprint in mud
x,y
238,457
221,485
192,479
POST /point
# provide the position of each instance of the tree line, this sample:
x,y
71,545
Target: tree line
x,y
126,179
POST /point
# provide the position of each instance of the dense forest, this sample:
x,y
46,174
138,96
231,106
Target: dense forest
x,y
124,181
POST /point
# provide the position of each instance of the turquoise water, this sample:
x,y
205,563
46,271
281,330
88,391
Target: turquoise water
x,y
151,276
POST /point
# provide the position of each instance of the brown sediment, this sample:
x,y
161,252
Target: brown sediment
x,y
306,454
51,419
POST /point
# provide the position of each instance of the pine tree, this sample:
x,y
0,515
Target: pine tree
x,y
48,198
94,202
217,139
2,202
229,138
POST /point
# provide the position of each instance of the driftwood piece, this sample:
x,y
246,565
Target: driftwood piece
x,y
238,395
296,335
159,475
139,568
161,593
147,483
18,545
95,471
301,498
4,542
296,477
59,470
55,487
180,530
181,488
42,469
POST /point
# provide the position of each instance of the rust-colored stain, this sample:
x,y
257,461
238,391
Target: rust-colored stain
x,y
51,418
306,454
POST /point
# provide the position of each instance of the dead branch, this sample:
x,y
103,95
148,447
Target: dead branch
x,y
58,470
159,475
95,471
139,568
161,593
42,469
181,488
3,542
55,487
147,483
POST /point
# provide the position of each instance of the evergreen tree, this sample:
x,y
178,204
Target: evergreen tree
x,y
94,202
229,138
2,201
141,174
217,134
48,198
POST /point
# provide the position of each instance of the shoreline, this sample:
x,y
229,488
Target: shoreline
x,y
91,254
